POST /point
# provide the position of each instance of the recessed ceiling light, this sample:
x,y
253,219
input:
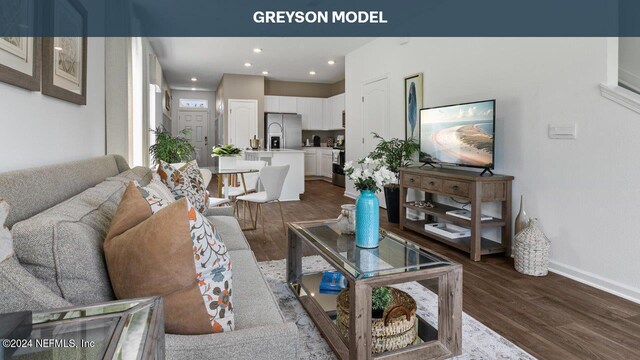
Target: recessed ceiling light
x,y
247,64
265,73
257,50
193,89
194,79
312,72
331,62
57,48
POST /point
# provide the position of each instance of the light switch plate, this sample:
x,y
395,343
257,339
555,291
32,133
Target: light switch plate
x,y
562,131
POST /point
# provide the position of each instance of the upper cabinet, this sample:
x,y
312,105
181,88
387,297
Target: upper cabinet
x,y
317,113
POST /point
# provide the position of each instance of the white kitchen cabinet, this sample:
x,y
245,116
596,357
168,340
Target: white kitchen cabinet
x,y
316,113
327,165
288,104
304,109
310,162
272,103
333,112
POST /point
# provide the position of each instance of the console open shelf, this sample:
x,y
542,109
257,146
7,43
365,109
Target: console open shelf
x,y
464,185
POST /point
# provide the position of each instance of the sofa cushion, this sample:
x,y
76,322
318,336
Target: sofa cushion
x,y
62,246
176,253
6,241
230,232
254,303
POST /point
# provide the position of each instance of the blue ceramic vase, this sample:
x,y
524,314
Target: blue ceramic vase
x,y
367,220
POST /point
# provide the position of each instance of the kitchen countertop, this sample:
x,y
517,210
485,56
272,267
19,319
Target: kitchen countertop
x,y
275,150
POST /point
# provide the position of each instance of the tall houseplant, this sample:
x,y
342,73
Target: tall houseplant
x,y
369,176
394,154
171,149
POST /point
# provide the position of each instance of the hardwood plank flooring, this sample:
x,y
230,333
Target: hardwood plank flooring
x,y
551,317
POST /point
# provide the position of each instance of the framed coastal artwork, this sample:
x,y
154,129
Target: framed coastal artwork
x,y
19,54
64,59
412,105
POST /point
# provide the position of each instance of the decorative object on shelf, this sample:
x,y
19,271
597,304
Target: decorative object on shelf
x,y
395,329
64,59
394,153
332,282
167,100
20,57
448,230
347,219
369,175
380,299
412,104
226,155
254,143
521,219
423,204
171,149
531,250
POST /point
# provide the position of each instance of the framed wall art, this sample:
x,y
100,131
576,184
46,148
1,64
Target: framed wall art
x,y
64,59
412,106
19,55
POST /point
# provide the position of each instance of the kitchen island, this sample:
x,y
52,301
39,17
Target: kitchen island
x,y
294,182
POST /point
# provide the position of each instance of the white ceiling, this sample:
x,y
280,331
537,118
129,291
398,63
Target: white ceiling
x,y
286,59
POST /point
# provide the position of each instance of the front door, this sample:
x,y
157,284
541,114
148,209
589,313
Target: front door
x,y
197,122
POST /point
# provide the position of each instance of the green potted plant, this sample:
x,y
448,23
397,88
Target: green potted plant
x,y
394,154
380,299
171,149
226,155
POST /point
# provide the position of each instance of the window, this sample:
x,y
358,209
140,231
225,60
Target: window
x,y
194,103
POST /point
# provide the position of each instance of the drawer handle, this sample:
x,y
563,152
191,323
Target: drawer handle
x,y
455,187
431,183
412,180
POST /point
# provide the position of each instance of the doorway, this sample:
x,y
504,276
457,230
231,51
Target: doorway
x,y
375,116
197,122
243,122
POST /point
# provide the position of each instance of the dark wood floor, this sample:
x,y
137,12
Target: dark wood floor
x,y
552,317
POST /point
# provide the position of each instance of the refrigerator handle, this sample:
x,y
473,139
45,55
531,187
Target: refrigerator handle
x,y
284,135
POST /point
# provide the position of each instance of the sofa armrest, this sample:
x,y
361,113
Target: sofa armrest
x,y
220,211
277,342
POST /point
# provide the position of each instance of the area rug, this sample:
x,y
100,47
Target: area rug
x,y
478,341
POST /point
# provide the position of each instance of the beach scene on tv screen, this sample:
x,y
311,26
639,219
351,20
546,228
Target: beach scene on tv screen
x,y
459,134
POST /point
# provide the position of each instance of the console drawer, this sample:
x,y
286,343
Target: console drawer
x,y
429,183
411,180
457,188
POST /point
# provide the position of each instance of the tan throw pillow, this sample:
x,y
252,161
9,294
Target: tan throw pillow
x,y
176,253
6,242
185,181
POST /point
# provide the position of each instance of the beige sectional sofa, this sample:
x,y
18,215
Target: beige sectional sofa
x,y
59,218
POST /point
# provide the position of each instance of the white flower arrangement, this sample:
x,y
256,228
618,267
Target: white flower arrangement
x,y
369,174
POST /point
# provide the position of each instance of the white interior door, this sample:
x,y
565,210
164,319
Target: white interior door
x,y
243,122
375,116
197,121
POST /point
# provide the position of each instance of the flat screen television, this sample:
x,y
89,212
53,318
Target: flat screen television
x,y
461,134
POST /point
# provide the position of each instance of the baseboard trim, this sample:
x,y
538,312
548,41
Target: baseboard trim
x,y
350,195
596,281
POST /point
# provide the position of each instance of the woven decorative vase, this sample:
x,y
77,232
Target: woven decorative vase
x,y
395,330
531,250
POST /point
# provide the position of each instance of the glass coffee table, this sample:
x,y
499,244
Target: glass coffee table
x,y
124,329
395,261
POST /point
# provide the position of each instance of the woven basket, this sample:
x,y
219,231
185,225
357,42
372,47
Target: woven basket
x,y
395,330
531,250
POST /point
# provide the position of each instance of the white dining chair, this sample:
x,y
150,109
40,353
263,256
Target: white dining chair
x,y
250,179
272,179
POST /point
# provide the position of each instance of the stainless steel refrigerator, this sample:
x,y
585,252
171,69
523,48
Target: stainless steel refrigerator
x,y
283,130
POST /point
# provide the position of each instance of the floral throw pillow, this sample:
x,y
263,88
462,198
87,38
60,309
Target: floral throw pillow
x,y
196,273
185,182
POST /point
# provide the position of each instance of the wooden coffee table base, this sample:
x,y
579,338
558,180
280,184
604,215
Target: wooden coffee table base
x,y
441,344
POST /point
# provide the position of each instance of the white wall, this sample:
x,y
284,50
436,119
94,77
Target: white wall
x,y
40,130
630,62
584,191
